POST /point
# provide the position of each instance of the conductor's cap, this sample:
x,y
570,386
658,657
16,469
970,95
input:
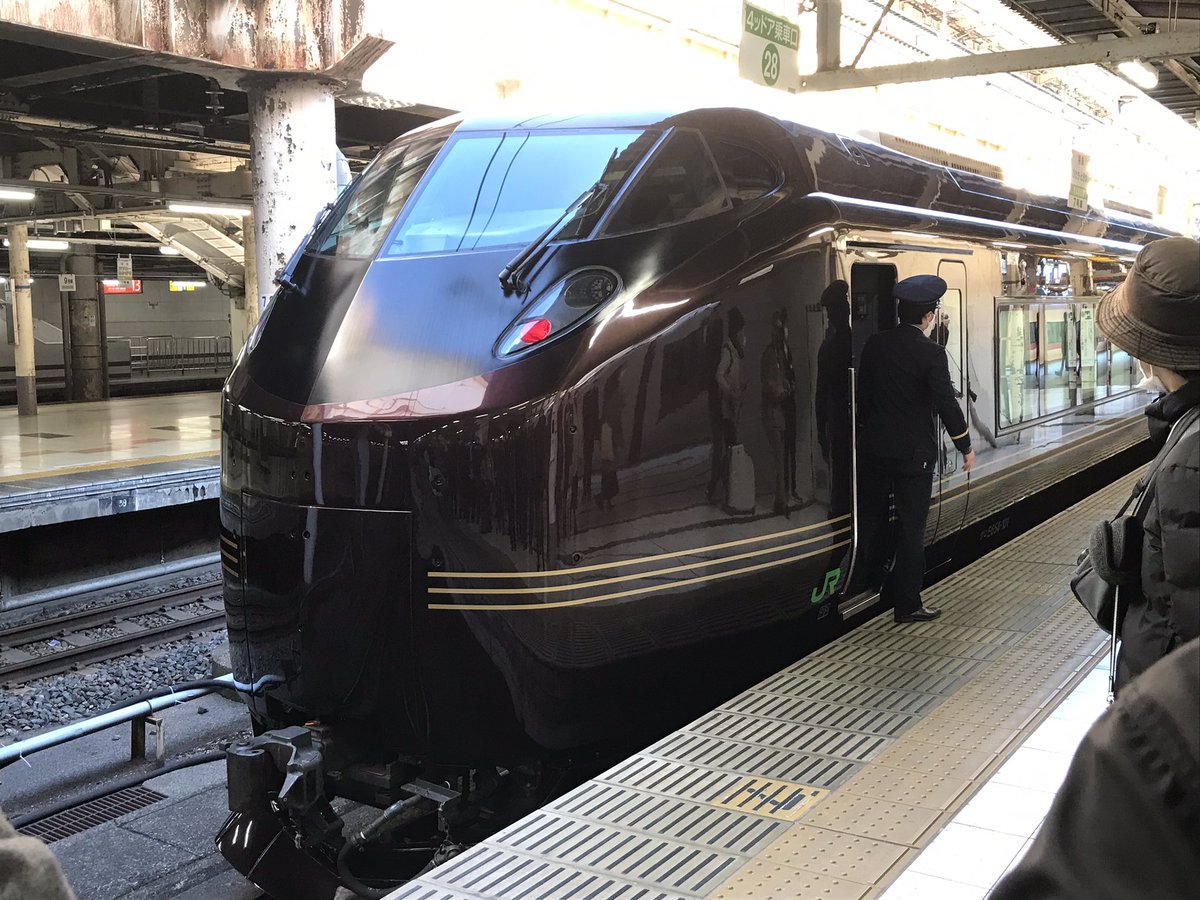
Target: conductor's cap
x,y
920,292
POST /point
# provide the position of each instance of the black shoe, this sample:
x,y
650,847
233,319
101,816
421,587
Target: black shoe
x,y
920,614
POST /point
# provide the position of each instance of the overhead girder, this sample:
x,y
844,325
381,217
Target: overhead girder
x,y
1158,46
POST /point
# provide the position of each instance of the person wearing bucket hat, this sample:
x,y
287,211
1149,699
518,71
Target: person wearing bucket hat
x,y
903,380
1154,314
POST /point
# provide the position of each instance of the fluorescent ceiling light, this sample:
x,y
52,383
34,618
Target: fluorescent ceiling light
x,y
1139,73
210,209
44,244
1010,244
911,234
7,193
1084,253
828,229
168,251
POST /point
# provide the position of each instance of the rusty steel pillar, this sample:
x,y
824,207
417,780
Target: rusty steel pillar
x,y
23,340
293,161
89,374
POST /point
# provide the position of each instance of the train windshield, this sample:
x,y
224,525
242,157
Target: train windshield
x,y
504,189
364,214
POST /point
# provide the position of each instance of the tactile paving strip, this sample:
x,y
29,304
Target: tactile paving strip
x,y
870,741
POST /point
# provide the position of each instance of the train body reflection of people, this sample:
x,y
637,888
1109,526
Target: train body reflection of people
x,y
728,381
832,397
778,394
903,381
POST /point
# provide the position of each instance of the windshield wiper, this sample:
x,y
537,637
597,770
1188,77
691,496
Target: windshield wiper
x,y
512,275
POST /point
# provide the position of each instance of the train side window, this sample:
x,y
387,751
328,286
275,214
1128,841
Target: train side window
x,y
747,174
680,184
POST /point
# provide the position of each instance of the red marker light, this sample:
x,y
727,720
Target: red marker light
x,y
534,331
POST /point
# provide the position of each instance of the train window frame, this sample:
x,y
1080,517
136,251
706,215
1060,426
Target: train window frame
x,y
715,139
604,228
1039,303
385,251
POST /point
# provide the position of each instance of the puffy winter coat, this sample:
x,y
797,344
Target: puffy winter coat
x,y
1167,613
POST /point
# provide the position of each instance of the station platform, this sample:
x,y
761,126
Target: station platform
x,y
79,461
898,761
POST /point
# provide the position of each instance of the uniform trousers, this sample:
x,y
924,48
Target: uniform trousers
x,y
909,485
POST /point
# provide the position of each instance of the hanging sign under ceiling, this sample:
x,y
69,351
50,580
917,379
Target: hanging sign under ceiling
x,y
769,53
1078,196
125,271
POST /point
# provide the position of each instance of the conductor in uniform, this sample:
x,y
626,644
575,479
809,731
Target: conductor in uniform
x,y
903,381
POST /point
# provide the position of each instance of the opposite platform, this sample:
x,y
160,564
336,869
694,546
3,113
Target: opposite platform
x,y
84,460
829,778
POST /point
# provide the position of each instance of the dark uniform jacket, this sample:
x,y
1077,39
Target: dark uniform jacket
x,y
1126,822
1167,613
903,380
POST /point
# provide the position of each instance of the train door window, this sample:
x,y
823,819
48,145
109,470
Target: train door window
x,y
681,183
747,174
949,329
1061,330
1019,369
872,306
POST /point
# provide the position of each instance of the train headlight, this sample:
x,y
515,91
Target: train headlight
x,y
559,309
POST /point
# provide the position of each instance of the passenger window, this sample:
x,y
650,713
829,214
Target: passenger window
x,y
747,175
680,185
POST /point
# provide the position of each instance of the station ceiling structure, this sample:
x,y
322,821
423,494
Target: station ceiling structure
x,y
108,119
1086,21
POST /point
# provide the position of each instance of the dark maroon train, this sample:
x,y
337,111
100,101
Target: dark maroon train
x,y
531,459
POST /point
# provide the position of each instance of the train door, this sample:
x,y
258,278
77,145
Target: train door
x,y
950,330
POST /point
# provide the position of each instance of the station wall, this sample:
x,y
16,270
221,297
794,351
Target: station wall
x,y
156,311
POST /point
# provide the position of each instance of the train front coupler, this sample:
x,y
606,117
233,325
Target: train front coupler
x,y
278,785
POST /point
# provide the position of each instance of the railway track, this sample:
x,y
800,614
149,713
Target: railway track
x,y
65,643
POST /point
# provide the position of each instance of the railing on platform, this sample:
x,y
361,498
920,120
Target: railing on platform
x,y
165,352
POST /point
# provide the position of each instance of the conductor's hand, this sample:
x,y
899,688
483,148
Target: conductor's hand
x,y
968,460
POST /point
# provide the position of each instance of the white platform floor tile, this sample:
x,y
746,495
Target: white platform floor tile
x,y
1006,808
1058,735
968,855
1042,770
919,886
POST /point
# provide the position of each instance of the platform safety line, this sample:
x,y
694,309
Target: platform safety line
x,y
559,604
638,561
1037,460
100,467
555,588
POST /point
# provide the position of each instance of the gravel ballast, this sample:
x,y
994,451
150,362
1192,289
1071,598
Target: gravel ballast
x,y
61,699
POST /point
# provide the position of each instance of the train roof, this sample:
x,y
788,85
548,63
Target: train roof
x,y
871,169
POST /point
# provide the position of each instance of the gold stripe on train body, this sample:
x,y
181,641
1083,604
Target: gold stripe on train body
x,y
642,559
576,586
582,601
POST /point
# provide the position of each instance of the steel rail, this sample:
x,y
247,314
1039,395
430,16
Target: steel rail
x,y
78,648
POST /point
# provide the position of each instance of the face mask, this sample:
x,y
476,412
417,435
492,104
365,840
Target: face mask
x,y
1150,382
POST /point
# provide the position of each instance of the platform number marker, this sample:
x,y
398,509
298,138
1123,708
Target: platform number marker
x,y
769,52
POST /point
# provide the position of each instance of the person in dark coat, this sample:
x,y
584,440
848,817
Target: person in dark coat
x,y
1155,315
1126,821
903,381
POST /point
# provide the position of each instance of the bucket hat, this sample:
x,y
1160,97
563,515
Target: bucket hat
x,y
1154,314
